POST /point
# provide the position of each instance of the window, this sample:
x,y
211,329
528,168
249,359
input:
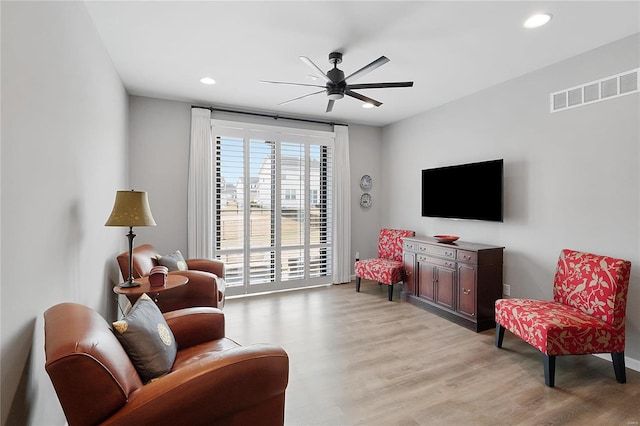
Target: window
x,y
273,233
313,196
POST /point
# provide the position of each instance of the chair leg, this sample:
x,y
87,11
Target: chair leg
x,y
549,370
358,284
390,292
499,335
618,366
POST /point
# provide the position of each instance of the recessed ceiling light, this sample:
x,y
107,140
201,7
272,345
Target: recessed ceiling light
x,y
537,20
312,77
367,105
207,80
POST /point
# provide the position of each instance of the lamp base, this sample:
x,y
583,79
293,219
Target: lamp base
x,y
129,284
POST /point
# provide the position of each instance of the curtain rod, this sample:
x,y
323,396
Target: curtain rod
x,y
274,116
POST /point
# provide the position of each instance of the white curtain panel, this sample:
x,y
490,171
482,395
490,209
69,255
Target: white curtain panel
x,y
200,208
342,207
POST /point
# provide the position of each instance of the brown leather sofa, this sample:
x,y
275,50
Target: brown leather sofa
x,y
202,289
214,381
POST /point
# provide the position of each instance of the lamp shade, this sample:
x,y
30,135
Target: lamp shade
x,y
131,208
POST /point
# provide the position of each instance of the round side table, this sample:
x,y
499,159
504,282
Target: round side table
x,y
133,293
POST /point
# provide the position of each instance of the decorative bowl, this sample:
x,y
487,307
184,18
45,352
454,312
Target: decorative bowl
x,y
446,238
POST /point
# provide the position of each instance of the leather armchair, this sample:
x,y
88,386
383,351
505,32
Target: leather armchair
x,y
213,380
203,289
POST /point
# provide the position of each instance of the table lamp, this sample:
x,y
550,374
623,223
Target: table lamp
x,y
131,208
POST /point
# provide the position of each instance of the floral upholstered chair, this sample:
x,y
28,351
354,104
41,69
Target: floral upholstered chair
x,y
586,316
387,267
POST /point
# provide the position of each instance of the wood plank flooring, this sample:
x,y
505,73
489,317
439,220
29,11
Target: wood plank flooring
x,y
358,359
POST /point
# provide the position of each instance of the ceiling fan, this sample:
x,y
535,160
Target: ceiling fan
x,y
337,85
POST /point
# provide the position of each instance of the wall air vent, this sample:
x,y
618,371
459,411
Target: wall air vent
x,y
594,91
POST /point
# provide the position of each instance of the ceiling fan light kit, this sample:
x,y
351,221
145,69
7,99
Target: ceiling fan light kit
x,y
337,86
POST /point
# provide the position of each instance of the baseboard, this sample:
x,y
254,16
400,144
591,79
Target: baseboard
x,y
630,363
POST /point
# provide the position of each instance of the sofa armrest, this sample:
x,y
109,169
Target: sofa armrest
x,y
192,326
208,265
215,387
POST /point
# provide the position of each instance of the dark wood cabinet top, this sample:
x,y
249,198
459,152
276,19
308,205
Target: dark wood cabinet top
x,y
459,244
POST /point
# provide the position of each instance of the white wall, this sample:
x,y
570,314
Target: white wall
x,y
64,136
159,138
159,132
365,153
571,178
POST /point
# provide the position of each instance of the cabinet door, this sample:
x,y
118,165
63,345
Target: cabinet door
x,y
467,290
426,280
409,262
445,287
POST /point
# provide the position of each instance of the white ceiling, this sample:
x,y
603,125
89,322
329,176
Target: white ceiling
x,y
449,48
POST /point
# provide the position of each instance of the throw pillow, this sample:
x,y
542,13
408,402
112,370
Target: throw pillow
x,y
174,261
147,339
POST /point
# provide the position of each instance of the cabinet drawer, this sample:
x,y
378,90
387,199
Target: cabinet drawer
x,y
451,264
409,245
467,256
437,251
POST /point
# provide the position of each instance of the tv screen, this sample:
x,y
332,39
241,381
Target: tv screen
x,y
465,191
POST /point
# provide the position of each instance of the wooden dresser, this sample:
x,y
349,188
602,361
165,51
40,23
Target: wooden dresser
x,y
459,281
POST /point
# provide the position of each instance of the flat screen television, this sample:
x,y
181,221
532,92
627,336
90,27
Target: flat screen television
x,y
464,191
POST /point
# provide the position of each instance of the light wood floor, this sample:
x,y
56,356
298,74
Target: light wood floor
x,y
358,359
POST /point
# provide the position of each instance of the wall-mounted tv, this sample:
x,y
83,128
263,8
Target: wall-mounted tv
x,y
464,191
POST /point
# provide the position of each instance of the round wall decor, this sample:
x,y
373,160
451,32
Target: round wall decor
x,y
366,182
366,200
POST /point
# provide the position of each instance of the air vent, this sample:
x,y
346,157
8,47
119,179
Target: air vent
x,y
594,91
629,82
609,88
591,92
560,100
575,97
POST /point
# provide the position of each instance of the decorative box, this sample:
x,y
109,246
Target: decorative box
x,y
158,276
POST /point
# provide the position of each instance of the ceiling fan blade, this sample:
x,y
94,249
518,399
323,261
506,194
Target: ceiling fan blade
x,y
367,68
290,84
330,105
317,69
301,97
381,85
362,97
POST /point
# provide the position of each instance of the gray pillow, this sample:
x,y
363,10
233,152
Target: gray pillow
x,y
147,339
174,261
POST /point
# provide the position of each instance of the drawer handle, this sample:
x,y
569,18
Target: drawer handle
x,y
466,257
449,264
448,254
466,290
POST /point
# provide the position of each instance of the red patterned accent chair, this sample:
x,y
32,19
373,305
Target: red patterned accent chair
x,y
586,316
387,267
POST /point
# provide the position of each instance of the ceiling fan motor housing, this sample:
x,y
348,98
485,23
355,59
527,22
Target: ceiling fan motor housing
x,y
335,89
336,76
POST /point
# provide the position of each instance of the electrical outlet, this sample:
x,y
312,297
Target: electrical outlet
x,y
506,289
